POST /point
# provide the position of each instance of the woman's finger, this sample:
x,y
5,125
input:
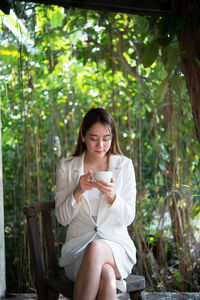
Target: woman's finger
x,y
102,183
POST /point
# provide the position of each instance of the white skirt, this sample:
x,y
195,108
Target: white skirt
x,y
122,260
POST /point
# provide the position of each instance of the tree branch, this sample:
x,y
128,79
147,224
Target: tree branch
x,y
130,69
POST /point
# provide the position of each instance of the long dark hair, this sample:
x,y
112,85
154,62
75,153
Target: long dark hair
x,y
93,116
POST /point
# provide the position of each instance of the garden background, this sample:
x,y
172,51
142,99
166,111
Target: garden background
x,y
57,63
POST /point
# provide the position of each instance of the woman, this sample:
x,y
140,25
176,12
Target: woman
x,y
98,249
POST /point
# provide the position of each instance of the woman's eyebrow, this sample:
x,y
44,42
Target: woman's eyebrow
x,y
93,134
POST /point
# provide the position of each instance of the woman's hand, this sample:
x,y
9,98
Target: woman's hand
x,y
107,189
86,183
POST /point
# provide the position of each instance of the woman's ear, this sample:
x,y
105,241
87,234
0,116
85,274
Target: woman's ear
x,y
82,138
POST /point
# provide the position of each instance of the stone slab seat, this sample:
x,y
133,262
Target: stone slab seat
x,y
49,288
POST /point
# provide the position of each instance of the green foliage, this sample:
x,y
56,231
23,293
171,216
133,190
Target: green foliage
x,y
150,53
131,66
162,89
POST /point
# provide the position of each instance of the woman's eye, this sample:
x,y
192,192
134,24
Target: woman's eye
x,y
104,140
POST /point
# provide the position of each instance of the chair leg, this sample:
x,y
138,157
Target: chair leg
x,y
139,295
52,295
42,294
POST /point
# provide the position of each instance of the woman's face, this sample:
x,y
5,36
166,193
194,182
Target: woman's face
x,y
98,140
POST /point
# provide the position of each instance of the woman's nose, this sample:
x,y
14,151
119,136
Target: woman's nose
x,y
100,142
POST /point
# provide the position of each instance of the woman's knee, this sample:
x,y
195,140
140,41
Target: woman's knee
x,y
99,254
108,275
94,250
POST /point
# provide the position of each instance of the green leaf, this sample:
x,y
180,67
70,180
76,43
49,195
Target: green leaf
x,y
150,53
172,57
197,61
195,211
178,84
56,16
162,166
162,89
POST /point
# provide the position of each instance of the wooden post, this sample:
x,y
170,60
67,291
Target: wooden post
x,y
189,41
2,240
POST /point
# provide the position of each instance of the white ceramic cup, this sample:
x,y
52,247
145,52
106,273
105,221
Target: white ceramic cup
x,y
103,175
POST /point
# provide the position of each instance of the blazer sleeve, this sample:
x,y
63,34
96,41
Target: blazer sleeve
x,y
123,208
66,207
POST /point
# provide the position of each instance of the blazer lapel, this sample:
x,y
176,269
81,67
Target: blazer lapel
x,y
115,166
79,164
78,170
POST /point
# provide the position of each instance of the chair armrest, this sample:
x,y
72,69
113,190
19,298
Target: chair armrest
x,y
32,209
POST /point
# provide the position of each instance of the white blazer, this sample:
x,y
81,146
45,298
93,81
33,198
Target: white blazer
x,y
112,220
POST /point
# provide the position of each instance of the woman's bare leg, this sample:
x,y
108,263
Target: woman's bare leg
x,y
93,271
107,286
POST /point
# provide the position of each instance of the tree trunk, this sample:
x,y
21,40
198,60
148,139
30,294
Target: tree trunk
x,y
189,41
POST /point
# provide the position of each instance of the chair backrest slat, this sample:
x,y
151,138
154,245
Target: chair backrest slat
x,y
50,242
35,249
32,212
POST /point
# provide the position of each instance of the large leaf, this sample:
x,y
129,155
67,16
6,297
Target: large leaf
x,y
162,89
150,53
170,56
178,84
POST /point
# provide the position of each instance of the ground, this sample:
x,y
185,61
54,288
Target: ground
x,y
149,296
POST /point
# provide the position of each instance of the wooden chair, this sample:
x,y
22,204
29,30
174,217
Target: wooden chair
x,y
49,288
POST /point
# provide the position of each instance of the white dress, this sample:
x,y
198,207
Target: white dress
x,y
122,260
